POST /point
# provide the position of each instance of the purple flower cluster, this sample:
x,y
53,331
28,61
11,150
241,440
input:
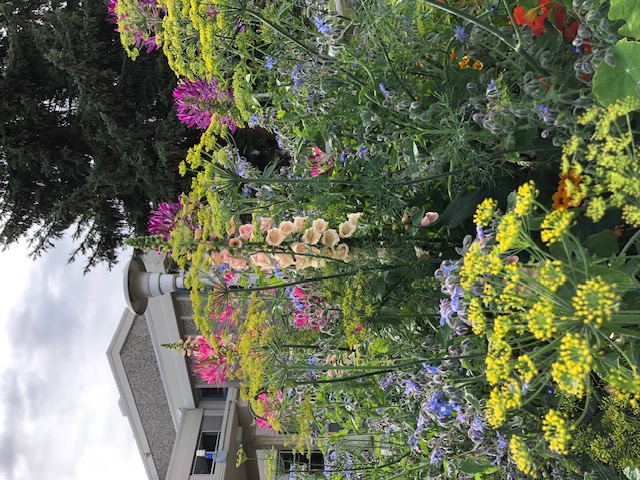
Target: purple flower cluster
x,y
163,220
198,101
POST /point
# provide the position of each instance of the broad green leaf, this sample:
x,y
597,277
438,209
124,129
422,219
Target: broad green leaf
x,y
628,11
632,473
471,467
621,81
603,244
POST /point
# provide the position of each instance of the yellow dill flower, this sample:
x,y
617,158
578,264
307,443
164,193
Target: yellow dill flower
x,y
521,455
595,301
573,365
550,275
498,360
555,225
526,368
507,232
571,146
631,215
476,317
511,297
485,212
525,198
541,320
511,393
501,326
557,432
495,412
477,263
626,384
596,208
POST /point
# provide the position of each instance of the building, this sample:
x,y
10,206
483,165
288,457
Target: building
x,y
184,429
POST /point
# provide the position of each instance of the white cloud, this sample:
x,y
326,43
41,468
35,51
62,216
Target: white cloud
x,y
58,397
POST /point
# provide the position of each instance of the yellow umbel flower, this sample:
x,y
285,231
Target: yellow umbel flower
x,y
476,317
555,225
573,365
557,432
498,360
596,208
507,232
595,301
495,413
526,368
626,384
478,263
541,320
521,455
525,199
485,212
550,275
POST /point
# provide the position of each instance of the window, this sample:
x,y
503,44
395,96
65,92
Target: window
x,y
204,461
301,462
208,393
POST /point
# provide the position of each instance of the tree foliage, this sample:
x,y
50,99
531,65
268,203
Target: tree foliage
x,y
89,140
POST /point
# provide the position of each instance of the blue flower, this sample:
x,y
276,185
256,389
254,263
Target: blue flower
x,y
543,110
361,151
410,388
460,34
492,89
385,382
297,77
384,91
321,25
270,62
253,121
436,457
343,156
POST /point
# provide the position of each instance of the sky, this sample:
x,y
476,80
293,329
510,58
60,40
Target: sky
x,y
59,414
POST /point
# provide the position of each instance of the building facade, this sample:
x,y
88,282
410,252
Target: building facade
x,y
184,429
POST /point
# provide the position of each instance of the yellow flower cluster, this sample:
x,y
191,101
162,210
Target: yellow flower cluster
x,y
550,275
498,360
476,317
612,158
507,232
478,263
495,412
556,225
573,365
525,199
521,455
526,368
485,212
557,432
541,319
626,384
595,301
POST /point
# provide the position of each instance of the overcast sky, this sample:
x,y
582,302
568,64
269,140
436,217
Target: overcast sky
x,y
59,414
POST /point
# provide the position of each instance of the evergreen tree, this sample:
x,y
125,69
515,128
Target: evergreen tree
x,y
88,139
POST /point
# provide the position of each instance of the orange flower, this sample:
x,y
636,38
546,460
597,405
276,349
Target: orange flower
x,y
567,197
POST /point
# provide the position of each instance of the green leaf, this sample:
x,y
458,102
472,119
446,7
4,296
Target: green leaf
x,y
628,11
462,207
471,467
603,244
621,81
366,118
632,473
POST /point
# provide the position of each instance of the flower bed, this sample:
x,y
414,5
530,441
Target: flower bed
x,y
441,255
